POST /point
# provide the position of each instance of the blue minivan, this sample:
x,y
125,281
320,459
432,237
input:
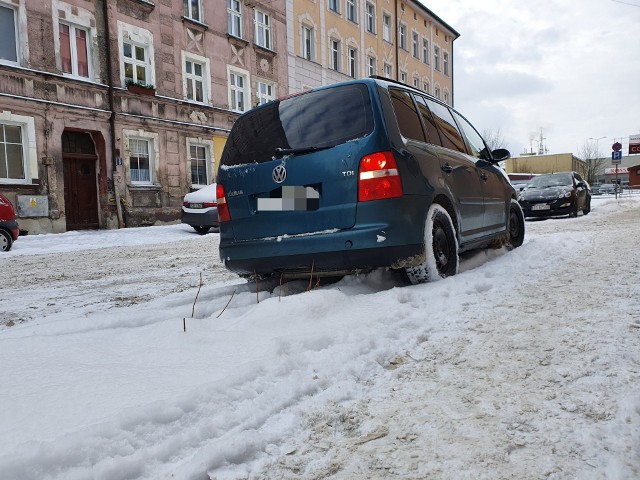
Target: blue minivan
x,y
357,176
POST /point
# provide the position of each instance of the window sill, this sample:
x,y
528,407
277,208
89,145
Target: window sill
x,y
195,23
238,40
265,50
144,186
310,61
146,3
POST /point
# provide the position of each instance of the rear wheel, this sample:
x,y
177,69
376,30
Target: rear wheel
x,y
5,241
587,206
516,224
201,230
574,209
441,248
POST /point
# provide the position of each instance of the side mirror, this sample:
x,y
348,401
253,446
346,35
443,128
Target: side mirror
x,y
501,154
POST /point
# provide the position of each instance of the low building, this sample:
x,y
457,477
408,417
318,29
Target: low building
x,y
549,163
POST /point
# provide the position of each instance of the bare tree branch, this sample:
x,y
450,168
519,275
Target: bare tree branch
x,y
589,153
494,138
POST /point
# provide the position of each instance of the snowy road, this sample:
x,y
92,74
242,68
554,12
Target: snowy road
x,y
525,365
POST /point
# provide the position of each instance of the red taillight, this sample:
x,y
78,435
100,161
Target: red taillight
x,y
379,177
209,204
223,208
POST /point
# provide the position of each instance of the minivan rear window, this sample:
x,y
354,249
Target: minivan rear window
x,y
318,119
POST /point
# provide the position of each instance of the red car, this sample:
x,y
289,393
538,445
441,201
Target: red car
x,y
9,230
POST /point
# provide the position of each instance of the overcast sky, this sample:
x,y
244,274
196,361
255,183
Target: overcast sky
x,y
568,67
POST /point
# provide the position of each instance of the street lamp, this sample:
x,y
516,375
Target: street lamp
x,y
597,140
593,170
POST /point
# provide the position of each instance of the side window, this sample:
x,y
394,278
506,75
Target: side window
x,y
447,127
406,115
428,121
475,142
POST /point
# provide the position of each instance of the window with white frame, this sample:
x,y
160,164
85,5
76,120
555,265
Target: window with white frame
x,y
135,61
371,66
74,50
12,158
307,42
370,13
436,57
334,52
352,11
445,63
140,155
415,44
425,50
263,29
386,27
265,92
403,77
199,154
352,58
8,34
239,95
388,70
195,80
437,92
416,82
192,9
425,87
446,97
334,5
402,36
234,18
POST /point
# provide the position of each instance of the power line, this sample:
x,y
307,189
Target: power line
x,y
626,3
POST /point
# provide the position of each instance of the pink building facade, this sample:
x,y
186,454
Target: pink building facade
x,y
112,110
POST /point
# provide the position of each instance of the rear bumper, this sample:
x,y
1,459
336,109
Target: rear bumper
x,y
200,218
12,227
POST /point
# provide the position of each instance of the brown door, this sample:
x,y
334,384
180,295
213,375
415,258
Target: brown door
x,y
80,184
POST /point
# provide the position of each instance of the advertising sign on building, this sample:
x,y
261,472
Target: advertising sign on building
x,y
615,171
634,144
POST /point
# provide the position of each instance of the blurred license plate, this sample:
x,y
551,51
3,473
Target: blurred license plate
x,y
195,205
290,198
541,206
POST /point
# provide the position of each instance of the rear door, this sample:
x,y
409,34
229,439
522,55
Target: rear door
x,y
290,167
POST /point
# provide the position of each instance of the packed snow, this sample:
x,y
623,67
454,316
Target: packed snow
x,y
524,365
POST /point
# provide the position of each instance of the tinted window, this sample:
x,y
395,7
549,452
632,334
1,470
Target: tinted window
x,y
428,120
319,118
406,115
475,142
447,127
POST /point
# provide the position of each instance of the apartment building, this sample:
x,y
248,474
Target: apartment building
x,y
335,40
111,110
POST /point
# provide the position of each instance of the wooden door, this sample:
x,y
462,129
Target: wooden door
x,y
80,182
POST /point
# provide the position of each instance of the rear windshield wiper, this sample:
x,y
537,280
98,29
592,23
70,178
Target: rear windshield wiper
x,y
279,152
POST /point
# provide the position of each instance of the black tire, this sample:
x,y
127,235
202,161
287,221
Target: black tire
x,y
574,209
201,230
5,241
441,248
587,206
516,224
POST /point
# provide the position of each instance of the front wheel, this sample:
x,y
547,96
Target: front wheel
x,y
516,224
587,206
441,248
201,230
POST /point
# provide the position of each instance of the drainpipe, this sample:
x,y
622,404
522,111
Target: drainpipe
x,y
397,46
112,117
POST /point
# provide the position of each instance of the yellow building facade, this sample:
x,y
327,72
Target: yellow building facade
x,y
329,41
561,162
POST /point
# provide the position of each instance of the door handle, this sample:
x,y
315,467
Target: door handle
x,y
484,176
446,168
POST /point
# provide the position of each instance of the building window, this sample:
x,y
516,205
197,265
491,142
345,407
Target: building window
x,y
239,96
8,35
334,51
263,29
403,77
436,57
388,70
445,63
307,43
402,40
371,17
198,161
135,60
415,47
334,6
265,92
437,92
74,50
192,9
425,50
446,97
416,82
352,54
352,11
386,27
196,78
371,66
12,161
425,87
234,18
140,160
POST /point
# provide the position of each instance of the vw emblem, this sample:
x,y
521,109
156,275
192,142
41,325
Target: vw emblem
x,y
279,174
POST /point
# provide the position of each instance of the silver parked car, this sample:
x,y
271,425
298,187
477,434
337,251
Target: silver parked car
x,y
200,209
